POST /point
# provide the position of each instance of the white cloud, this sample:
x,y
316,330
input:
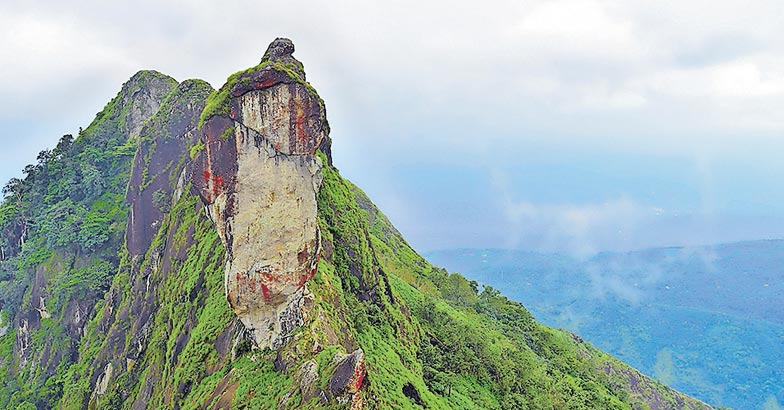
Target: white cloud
x,y
433,81
40,53
581,229
739,79
406,65
576,29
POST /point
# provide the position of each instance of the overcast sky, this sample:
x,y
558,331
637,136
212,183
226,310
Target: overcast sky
x,y
560,125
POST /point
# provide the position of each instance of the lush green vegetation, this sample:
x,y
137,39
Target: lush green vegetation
x,y
431,338
708,321
62,228
196,149
190,289
163,335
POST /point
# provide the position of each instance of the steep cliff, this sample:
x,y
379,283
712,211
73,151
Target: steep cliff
x,y
259,174
254,276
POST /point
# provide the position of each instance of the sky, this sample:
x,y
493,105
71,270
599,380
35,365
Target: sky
x,y
560,125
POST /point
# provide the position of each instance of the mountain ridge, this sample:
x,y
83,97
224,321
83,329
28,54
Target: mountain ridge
x,y
183,311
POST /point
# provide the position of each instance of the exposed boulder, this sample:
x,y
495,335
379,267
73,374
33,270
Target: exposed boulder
x,y
281,50
347,378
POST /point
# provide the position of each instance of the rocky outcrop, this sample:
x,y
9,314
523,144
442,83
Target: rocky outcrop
x,y
643,390
348,374
259,176
347,378
63,286
141,97
308,378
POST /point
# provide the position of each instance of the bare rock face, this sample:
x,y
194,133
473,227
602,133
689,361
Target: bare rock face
x,y
308,380
167,138
259,176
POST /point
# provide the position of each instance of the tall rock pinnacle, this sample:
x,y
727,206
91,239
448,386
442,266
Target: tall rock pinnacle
x,y
257,171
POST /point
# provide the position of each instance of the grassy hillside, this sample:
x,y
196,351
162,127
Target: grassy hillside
x,y
707,321
431,339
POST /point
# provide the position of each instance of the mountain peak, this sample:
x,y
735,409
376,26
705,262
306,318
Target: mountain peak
x,y
141,96
279,49
280,52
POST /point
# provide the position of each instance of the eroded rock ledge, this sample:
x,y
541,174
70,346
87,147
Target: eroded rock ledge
x,y
257,171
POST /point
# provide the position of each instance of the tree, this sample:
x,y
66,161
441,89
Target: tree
x,y
65,143
63,146
92,181
44,156
15,187
94,231
30,170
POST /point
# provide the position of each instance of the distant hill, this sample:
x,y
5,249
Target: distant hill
x,y
708,321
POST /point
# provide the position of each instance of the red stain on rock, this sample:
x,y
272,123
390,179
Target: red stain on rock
x,y
265,292
305,278
270,278
264,78
217,184
302,136
230,205
213,172
359,376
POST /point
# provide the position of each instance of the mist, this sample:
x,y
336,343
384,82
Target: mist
x,y
575,126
